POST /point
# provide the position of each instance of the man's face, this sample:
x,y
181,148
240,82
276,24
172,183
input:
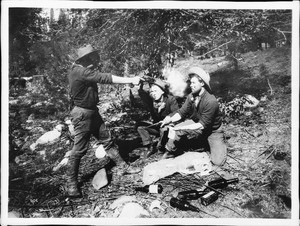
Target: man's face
x,y
156,92
196,85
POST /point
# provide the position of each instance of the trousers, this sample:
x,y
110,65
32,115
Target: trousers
x,y
146,132
86,122
187,138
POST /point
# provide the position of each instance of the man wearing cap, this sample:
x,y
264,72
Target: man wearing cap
x,y
202,120
160,104
85,117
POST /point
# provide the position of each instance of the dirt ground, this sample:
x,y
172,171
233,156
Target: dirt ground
x,y
259,154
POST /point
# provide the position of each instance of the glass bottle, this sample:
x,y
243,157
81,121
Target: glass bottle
x,y
191,194
183,205
153,188
222,183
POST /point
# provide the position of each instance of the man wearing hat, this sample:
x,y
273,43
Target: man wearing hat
x,y
160,104
85,117
202,120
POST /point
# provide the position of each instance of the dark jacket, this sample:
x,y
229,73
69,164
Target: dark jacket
x,y
84,88
170,108
207,112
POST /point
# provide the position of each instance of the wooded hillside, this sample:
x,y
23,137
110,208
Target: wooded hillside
x,y
254,60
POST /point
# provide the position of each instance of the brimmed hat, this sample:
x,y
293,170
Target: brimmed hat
x,y
84,51
202,74
161,84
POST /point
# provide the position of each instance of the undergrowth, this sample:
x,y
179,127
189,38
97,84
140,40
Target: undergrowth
x,y
36,191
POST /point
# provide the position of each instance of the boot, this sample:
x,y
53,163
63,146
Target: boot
x,y
73,190
114,154
72,182
122,167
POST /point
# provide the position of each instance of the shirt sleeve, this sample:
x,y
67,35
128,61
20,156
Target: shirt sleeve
x,y
185,110
173,105
207,116
95,76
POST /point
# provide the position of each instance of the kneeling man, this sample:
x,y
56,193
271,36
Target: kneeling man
x,y
201,120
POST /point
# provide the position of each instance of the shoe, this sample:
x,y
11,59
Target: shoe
x,y
167,155
151,151
72,190
161,150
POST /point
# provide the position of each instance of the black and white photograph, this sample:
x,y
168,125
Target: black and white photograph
x,y
162,112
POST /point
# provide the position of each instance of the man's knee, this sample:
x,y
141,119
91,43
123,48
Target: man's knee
x,y
140,128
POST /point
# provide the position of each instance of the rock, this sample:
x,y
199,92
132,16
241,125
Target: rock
x,y
252,102
220,64
155,204
121,200
100,152
14,102
100,179
260,109
68,153
17,160
48,137
272,129
31,117
43,154
61,164
248,113
263,98
33,146
188,163
13,214
257,134
133,210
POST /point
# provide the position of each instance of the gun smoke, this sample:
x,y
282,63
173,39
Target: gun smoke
x,y
178,82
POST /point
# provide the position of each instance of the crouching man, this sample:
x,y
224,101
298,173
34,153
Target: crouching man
x,y
201,120
160,104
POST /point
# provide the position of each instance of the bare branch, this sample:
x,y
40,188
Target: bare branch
x,y
280,32
216,48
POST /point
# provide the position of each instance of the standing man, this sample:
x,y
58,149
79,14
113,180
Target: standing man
x,y
85,117
202,120
160,104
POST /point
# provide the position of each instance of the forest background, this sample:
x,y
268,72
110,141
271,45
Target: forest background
x,y
42,49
